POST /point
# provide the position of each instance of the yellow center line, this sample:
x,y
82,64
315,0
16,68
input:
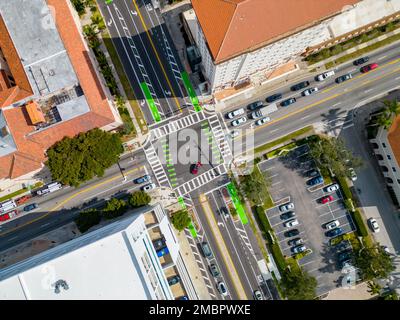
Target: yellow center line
x,y
225,254
157,56
69,199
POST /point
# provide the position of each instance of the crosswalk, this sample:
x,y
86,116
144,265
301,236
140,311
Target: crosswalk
x,y
156,166
177,125
221,141
243,234
200,180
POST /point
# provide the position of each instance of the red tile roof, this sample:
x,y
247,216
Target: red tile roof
x,y
394,138
233,27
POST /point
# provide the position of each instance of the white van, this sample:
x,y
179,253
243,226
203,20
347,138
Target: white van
x,y
7,205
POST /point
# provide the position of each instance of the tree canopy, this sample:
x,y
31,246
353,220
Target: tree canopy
x,y
180,219
87,219
114,208
255,186
139,199
75,160
297,284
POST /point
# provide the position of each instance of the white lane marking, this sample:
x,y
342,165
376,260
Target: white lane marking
x,y
336,104
305,117
381,58
12,238
45,225
368,90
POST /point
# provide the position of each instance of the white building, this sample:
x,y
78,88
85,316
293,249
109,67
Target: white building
x,y
246,40
117,261
387,150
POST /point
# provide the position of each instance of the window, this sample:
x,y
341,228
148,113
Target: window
x,y
383,145
389,157
398,181
394,169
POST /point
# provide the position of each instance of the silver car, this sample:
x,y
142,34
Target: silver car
x,y
235,113
262,121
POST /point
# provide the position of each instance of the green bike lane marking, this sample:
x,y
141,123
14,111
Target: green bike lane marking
x,y
190,90
236,202
191,227
150,101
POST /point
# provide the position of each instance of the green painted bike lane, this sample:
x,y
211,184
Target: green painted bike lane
x,y
191,227
153,108
190,90
237,203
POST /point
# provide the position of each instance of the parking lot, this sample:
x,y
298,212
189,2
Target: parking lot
x,y
288,176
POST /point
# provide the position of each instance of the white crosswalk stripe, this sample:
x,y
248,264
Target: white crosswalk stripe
x,y
221,142
156,166
243,234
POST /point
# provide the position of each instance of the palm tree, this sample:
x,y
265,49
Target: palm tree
x,y
384,120
373,288
120,101
392,106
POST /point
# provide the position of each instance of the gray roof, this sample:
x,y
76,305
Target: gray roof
x,y
7,144
73,108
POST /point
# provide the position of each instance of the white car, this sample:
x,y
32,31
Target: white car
x,y
332,188
262,121
374,224
234,133
352,174
332,225
323,76
286,207
291,223
238,121
299,249
148,187
258,295
235,113
309,91
222,289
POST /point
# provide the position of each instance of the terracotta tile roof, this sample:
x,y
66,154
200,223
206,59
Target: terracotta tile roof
x,y
232,27
394,138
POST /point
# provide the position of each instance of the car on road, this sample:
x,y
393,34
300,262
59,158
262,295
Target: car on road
x,y
257,295
323,76
234,134
332,188
369,67
214,270
224,211
195,168
292,233
334,232
274,97
353,175
239,121
143,179
299,249
291,223
261,121
326,199
361,61
295,242
31,207
300,85
286,207
159,244
332,225
235,113
316,180
288,215
206,250
309,91
8,215
148,187
222,289
255,105
162,252
173,280
313,173
288,102
374,224
343,78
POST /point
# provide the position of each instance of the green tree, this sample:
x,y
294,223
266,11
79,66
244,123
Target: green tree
x,y
87,219
78,159
120,101
297,284
79,6
98,21
180,219
139,199
384,120
255,186
114,208
392,106
373,288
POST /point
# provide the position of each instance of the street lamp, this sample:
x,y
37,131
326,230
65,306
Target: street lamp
x,y
121,170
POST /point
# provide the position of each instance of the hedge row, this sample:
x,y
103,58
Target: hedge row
x,y
358,220
345,188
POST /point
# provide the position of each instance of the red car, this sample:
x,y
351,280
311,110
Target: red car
x,y
369,67
326,199
8,215
195,168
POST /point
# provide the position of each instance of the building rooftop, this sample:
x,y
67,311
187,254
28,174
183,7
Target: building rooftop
x,y
232,27
394,138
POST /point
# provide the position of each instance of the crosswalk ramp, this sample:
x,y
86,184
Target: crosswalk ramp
x,y
156,166
200,180
220,138
177,125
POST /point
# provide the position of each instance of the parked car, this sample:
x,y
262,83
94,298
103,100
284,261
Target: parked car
x,y
295,242
300,85
148,187
224,211
292,233
299,249
326,199
235,113
291,223
343,78
143,179
23,199
374,224
162,252
214,270
286,207
353,175
8,215
182,298
159,244
274,97
332,188
332,224
323,76
386,249
288,215
313,173
343,246
239,121
255,105
173,280
206,250
316,180
195,167
334,232
222,289
345,255
288,102
369,67
261,121
31,207
361,61
258,295
309,91
234,134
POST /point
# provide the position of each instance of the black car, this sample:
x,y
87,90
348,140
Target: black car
x,y
334,232
313,173
214,270
255,105
274,97
287,215
30,207
300,85
159,244
288,102
344,256
173,280
361,61
292,233
343,246
343,78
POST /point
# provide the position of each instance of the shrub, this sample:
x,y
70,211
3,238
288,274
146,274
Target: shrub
x,y
87,219
180,219
114,208
345,188
348,203
139,199
358,220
